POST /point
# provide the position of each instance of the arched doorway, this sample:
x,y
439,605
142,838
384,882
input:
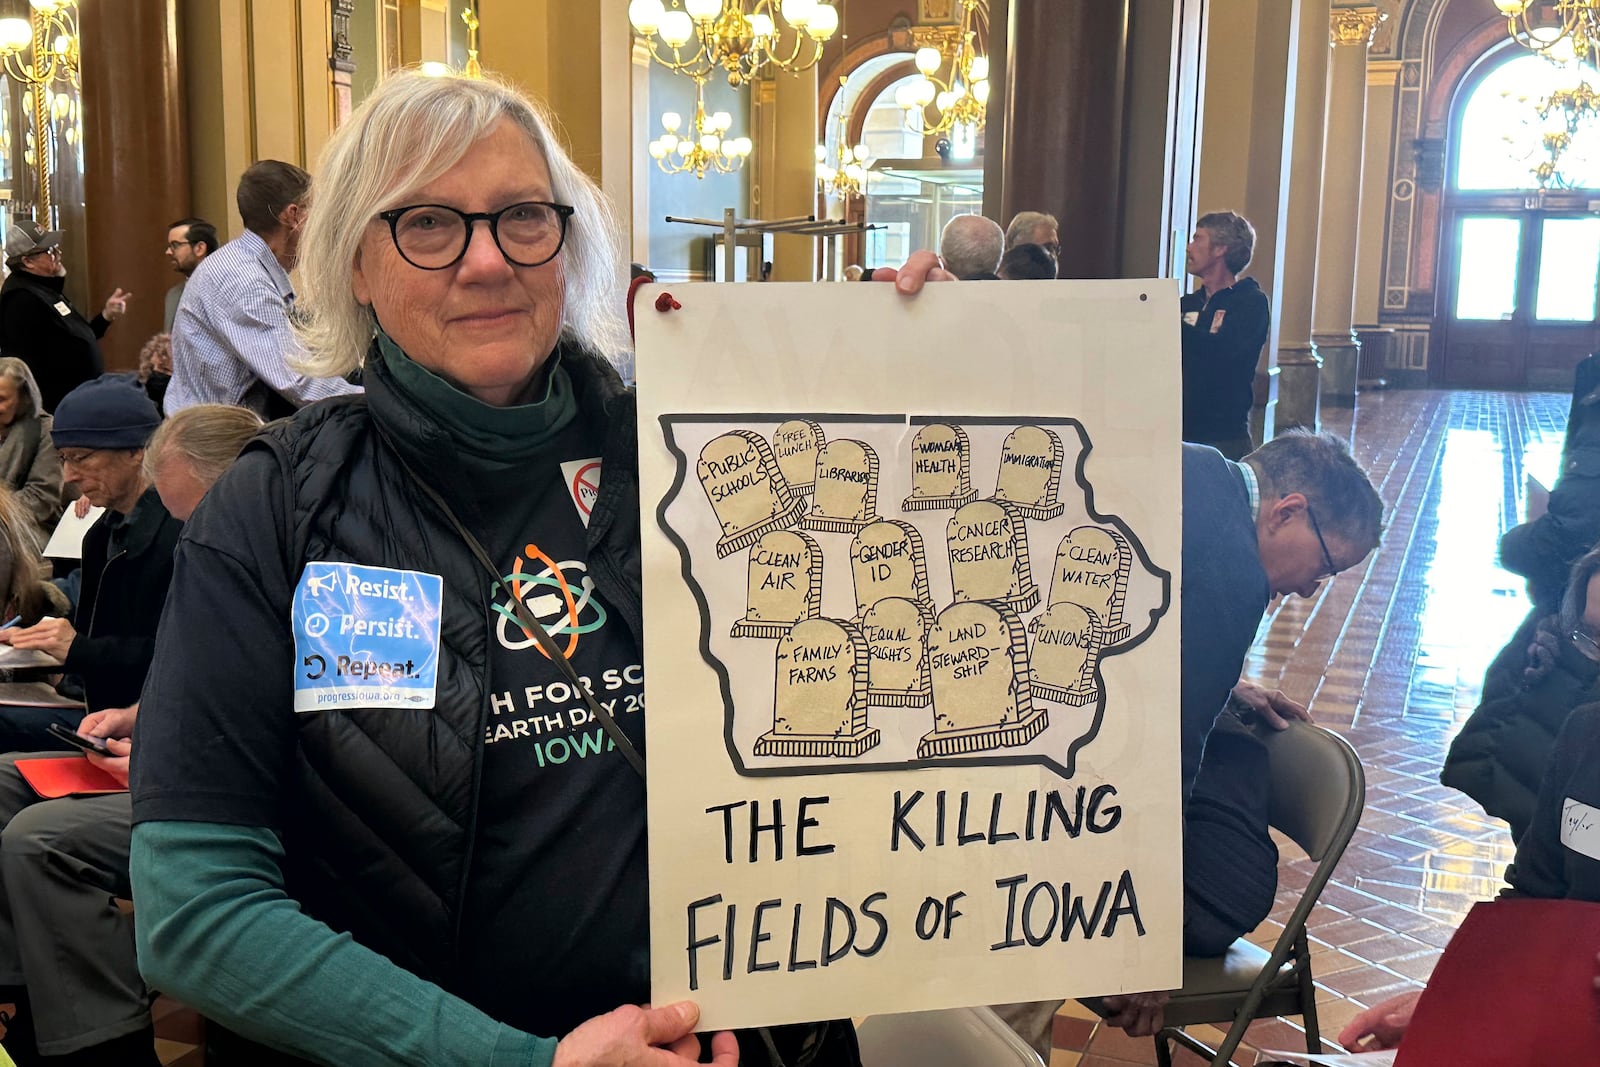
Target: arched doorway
x,y
1518,305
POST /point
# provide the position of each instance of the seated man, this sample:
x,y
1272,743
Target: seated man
x,y
970,246
67,964
100,431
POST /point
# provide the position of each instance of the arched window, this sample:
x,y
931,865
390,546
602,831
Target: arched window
x,y
1501,138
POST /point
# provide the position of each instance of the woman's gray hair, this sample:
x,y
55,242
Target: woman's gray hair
x,y
412,129
29,403
209,437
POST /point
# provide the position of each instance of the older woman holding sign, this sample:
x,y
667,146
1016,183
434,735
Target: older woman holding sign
x,y
356,839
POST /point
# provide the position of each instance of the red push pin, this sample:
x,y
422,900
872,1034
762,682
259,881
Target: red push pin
x,y
664,302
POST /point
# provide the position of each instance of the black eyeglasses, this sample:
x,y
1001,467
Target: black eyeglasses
x,y
433,236
177,244
1326,558
1585,643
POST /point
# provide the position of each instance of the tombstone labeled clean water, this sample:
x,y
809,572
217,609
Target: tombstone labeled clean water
x,y
941,469
747,491
1091,570
1066,649
982,700
887,559
1030,472
796,444
988,546
896,632
845,498
785,585
820,693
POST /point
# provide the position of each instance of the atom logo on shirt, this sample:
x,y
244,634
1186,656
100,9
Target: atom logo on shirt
x,y
560,596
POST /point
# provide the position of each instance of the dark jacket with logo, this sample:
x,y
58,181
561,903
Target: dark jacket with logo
x,y
120,601
60,349
1220,352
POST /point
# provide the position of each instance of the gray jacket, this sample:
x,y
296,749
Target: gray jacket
x,y
30,467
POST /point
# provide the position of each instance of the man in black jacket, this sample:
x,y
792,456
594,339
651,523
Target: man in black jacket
x,y
100,430
39,325
1225,323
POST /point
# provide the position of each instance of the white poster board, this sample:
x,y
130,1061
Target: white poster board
x,y
911,641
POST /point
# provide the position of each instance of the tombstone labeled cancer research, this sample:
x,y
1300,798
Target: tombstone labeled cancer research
x,y
845,498
1066,650
988,546
1091,570
982,697
785,584
796,444
941,469
896,632
820,693
887,560
1030,472
747,491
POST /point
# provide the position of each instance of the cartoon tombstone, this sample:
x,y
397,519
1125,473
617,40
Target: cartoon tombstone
x,y
988,545
982,697
1092,567
941,469
1066,650
887,559
1030,472
820,703
796,444
845,497
896,632
746,489
785,584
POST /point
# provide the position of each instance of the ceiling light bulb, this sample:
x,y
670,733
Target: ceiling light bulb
x,y
798,12
979,69
434,69
760,24
658,150
980,92
944,100
823,22
924,91
671,120
703,10
685,148
905,97
710,142
15,35
669,141
676,28
721,121
928,60
1511,8
861,153
645,15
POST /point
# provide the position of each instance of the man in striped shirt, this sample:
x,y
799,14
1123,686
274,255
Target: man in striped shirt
x,y
232,342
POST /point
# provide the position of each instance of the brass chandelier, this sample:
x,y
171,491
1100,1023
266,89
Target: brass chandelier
x,y
36,52
704,145
953,90
704,35
1560,30
1565,113
846,176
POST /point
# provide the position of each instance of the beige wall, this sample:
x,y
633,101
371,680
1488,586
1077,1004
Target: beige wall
x,y
1382,77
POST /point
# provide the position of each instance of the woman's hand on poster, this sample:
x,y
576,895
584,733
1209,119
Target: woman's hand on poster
x,y
1139,1014
643,1037
910,276
1271,706
1380,1026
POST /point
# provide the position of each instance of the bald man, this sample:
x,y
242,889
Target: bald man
x,y
970,247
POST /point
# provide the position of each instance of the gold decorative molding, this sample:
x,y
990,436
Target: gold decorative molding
x,y
1383,71
1355,25
944,38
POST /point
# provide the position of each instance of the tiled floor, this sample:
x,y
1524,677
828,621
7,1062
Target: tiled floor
x,y
1393,658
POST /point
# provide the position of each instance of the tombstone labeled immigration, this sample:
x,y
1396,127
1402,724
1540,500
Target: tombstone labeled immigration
x,y
1066,650
982,700
1091,570
820,693
740,477
796,444
941,469
845,497
785,584
1030,472
987,542
896,632
887,559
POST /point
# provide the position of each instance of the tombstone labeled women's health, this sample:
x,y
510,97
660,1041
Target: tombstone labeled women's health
x,y
911,634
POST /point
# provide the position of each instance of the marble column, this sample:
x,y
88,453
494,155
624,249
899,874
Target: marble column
x,y
1299,364
1334,316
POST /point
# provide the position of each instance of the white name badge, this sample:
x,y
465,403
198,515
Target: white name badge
x,y
365,636
1580,828
62,308
582,479
1190,318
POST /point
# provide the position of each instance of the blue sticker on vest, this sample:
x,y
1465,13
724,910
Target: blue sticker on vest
x,y
365,636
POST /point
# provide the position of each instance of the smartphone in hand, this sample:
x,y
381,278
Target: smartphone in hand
x,y
76,740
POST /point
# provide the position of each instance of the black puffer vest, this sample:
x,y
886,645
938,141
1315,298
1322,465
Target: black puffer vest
x,y
380,827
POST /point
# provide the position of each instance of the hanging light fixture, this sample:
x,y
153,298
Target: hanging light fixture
x,y
703,35
953,90
845,176
35,52
704,145
1560,30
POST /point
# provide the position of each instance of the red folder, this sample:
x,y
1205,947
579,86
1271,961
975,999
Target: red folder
x,y
64,776
1515,988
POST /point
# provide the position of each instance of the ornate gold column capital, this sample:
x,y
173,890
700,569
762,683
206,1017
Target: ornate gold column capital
x,y
1355,25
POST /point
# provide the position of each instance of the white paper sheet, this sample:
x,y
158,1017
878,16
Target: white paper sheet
x,y
67,541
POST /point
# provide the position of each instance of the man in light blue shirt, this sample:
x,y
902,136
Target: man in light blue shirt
x,y
232,342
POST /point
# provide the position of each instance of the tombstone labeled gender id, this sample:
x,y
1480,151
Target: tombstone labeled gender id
x,y
941,469
747,491
845,497
887,559
982,696
820,693
1091,570
1030,472
796,444
1066,650
896,632
785,584
988,546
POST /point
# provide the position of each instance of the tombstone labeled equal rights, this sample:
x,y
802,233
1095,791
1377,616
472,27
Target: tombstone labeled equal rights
x,y
896,632
785,584
941,469
740,477
820,702
978,662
